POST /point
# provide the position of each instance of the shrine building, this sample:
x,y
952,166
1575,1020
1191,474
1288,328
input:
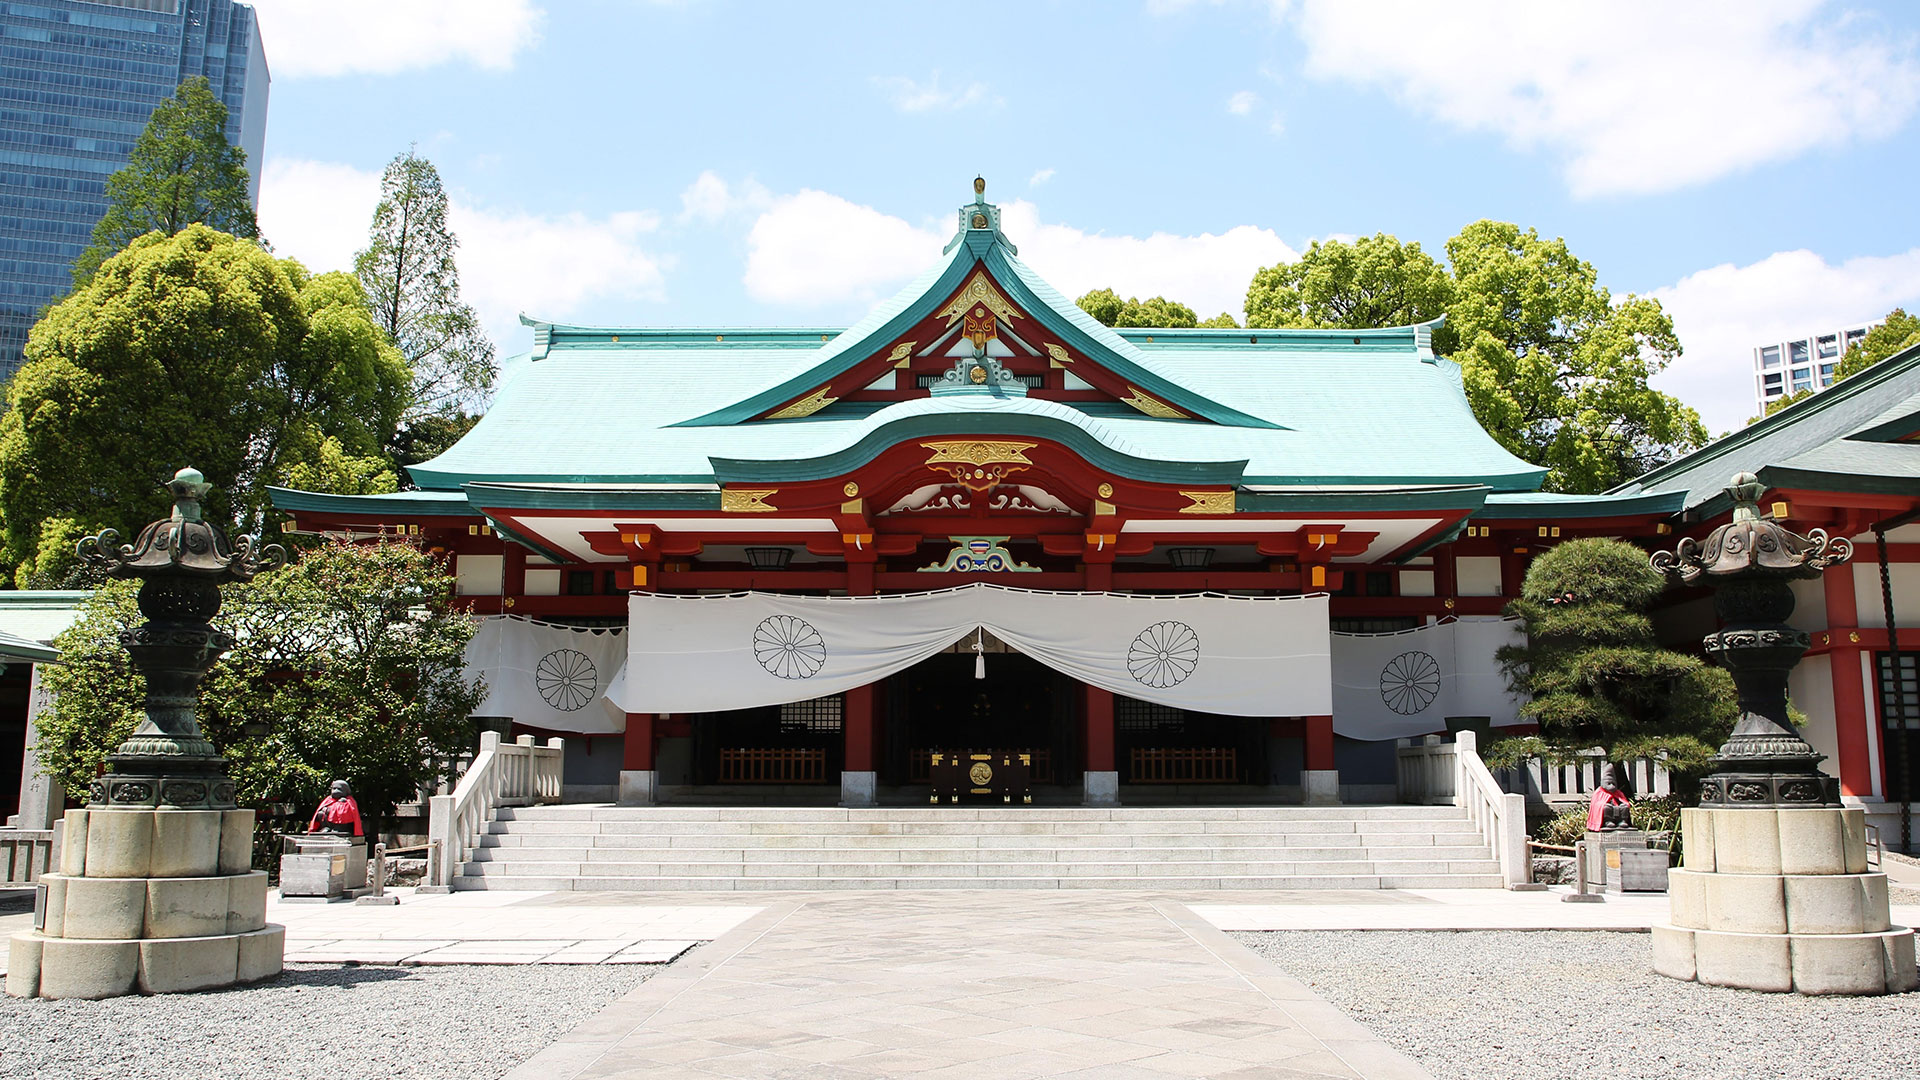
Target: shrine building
x,y
1157,563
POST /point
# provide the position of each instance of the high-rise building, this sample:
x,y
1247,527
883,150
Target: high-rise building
x,y
78,80
1803,363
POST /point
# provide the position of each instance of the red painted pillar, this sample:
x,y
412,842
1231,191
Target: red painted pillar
x,y
1099,717
1319,742
1850,712
857,725
637,754
513,571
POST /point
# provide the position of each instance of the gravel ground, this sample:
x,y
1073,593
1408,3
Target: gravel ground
x,y
1505,1005
318,1021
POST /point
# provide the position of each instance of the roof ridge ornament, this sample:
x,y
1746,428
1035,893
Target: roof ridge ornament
x,y
980,216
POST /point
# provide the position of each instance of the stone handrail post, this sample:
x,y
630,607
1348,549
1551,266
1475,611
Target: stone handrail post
x,y
1500,817
519,773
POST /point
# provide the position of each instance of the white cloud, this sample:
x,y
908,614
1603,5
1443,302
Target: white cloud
x,y
1208,272
813,248
1636,96
710,198
909,96
1040,177
324,38
510,261
1722,312
1243,102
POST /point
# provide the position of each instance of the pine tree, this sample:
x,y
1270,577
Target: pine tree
x,y
413,287
1594,673
182,171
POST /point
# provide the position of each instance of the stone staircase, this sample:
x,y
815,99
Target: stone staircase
x,y
595,848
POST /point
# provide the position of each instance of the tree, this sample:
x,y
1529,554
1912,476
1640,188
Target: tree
x,y
1897,332
1593,672
196,349
347,664
182,170
1554,368
1108,309
1374,281
413,288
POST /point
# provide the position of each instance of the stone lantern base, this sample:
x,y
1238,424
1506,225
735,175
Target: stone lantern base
x,y
150,901
1781,900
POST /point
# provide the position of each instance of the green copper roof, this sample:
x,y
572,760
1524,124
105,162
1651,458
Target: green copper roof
x,y
398,503
1837,440
1541,504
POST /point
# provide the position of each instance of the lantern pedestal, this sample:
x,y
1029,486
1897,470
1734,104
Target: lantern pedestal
x,y
1781,900
149,901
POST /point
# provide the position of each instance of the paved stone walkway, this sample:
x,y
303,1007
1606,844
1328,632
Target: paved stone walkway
x,y
1115,986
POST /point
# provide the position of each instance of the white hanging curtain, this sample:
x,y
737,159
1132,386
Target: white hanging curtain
x,y
1395,686
549,676
1236,656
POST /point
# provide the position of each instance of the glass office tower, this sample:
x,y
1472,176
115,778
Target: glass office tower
x,y
78,79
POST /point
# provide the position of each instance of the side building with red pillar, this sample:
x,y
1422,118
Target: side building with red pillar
x,y
980,428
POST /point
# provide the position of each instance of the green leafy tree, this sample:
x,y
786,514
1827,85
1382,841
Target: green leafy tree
x,y
1554,367
1898,332
1108,309
182,170
1594,675
413,288
347,664
1374,281
235,362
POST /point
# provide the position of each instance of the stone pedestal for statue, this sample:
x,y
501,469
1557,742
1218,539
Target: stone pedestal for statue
x,y
1781,900
322,867
151,901
1600,843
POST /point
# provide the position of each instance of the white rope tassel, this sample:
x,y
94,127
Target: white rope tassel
x,y
980,653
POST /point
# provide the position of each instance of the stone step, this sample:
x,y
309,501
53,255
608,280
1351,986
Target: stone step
x,y
978,828
976,855
601,812
1127,882
1144,871
912,842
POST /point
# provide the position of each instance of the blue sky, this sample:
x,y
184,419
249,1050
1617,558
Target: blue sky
x,y
712,162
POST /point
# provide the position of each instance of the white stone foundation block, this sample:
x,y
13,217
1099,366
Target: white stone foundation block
x,y
119,843
186,907
1746,903
236,841
88,969
637,787
174,965
73,843
1839,964
23,964
1100,788
1745,841
859,789
186,843
262,954
55,910
1673,952
247,902
1837,904
1748,961
104,908
1899,960
1687,897
1855,836
1320,787
1812,842
1696,830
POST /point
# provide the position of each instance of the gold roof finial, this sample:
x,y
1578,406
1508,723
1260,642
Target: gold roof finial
x,y
979,187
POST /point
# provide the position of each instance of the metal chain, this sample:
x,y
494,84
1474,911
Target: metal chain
x,y
1898,699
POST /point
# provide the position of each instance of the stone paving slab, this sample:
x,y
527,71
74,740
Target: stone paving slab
x,y
971,984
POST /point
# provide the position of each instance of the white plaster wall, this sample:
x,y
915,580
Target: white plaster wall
x,y
1477,575
1810,688
480,575
1416,583
543,582
1906,592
